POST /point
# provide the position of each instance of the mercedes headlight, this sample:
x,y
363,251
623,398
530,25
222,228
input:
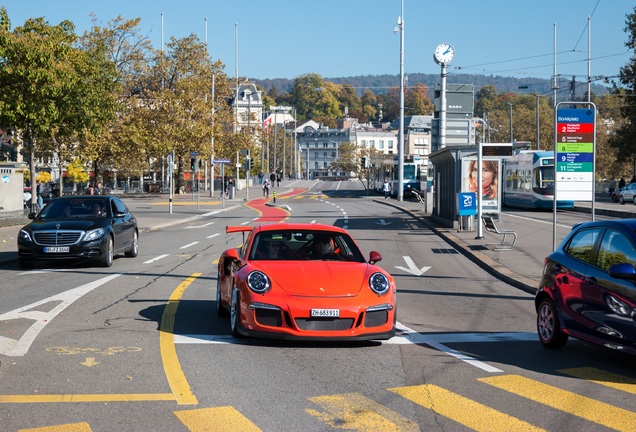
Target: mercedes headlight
x,y
94,234
24,235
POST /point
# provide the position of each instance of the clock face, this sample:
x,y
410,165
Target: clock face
x,y
444,53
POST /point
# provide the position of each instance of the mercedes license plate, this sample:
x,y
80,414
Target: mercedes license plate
x,y
56,249
330,313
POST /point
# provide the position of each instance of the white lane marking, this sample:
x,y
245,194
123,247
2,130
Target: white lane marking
x,y
417,338
12,347
246,222
213,235
188,245
204,339
198,226
405,336
313,221
412,267
155,259
45,271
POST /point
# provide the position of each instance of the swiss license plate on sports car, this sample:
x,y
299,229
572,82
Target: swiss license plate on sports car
x,y
331,313
56,249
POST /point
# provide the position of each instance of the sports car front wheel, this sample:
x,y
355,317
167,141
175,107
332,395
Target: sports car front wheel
x,y
235,313
548,326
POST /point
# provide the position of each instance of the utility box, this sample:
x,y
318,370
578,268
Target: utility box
x,y
11,191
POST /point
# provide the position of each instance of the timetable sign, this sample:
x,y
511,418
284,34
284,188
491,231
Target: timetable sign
x,y
574,150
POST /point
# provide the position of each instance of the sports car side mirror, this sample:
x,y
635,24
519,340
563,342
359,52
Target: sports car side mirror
x,y
374,257
232,254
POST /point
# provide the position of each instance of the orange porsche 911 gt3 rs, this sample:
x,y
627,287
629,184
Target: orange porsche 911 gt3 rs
x,y
304,281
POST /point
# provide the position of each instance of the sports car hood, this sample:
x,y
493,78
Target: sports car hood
x,y
323,278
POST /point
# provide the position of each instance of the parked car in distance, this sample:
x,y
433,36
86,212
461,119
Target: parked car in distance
x,y
627,194
304,282
588,289
79,227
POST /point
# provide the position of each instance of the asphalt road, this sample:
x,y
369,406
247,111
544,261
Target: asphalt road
x,y
138,346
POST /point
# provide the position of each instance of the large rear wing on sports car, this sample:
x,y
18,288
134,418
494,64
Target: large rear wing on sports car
x,y
233,229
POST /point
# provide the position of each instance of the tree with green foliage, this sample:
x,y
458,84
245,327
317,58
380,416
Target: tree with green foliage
x,y
348,159
314,98
624,136
52,89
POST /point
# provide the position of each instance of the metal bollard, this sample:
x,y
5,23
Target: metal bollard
x,y
274,196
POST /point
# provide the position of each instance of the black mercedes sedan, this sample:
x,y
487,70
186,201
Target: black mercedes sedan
x,y
79,227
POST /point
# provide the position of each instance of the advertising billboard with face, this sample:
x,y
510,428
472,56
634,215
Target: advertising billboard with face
x,y
491,179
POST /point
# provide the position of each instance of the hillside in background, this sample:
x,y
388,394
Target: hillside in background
x,y
379,84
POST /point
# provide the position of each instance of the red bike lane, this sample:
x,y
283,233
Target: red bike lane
x,y
272,214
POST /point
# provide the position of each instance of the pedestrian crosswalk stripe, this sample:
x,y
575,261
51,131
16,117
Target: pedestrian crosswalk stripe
x,y
604,378
566,401
219,419
71,427
353,411
462,410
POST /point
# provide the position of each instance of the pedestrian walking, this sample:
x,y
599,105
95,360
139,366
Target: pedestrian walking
x,y
39,190
266,188
386,188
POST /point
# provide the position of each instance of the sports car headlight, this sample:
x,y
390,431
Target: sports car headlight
x,y
94,234
258,282
24,235
379,283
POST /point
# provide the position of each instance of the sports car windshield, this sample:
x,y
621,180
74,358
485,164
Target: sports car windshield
x,y
74,209
304,245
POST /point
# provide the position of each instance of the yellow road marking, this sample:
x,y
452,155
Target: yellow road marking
x,y
87,398
352,411
566,401
462,410
72,427
172,367
219,419
174,374
604,378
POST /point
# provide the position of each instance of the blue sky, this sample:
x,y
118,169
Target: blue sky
x,y
341,38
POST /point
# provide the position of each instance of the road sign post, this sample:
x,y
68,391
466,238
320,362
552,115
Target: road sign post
x,y
574,155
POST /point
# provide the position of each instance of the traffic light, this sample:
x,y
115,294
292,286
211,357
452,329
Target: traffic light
x,y
192,163
248,164
363,162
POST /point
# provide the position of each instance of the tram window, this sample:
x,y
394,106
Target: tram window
x,y
409,172
528,180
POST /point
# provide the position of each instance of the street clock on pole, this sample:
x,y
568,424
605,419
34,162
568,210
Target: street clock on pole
x,y
444,54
